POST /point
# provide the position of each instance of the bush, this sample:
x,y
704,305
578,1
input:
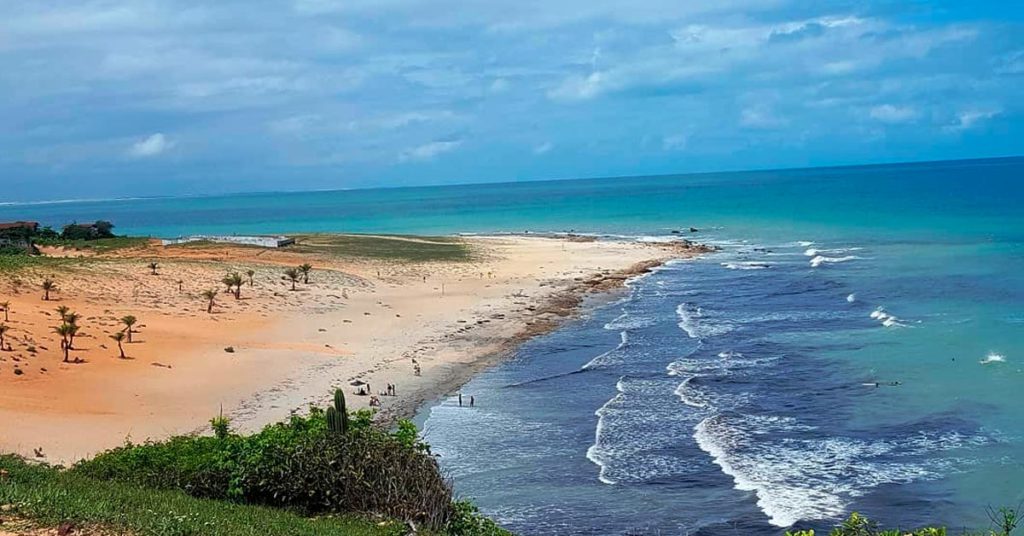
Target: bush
x,y
298,465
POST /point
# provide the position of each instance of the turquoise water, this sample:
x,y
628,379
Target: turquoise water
x,y
728,392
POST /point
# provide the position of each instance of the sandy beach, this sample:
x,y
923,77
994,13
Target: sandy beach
x,y
274,350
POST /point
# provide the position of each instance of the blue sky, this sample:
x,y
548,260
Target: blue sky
x,y
159,97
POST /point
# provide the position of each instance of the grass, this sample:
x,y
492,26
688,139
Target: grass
x,y
14,263
50,497
101,245
385,247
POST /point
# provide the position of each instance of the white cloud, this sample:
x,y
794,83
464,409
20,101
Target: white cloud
x,y
499,85
429,150
154,145
968,119
760,117
888,113
676,142
578,87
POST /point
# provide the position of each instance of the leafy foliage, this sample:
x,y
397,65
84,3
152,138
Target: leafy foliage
x,y
298,465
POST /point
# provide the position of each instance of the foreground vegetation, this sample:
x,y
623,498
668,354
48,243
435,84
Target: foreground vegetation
x,y
300,475
1004,519
51,497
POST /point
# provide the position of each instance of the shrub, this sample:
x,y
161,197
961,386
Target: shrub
x,y
297,465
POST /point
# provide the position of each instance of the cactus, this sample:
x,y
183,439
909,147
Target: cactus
x,y
337,415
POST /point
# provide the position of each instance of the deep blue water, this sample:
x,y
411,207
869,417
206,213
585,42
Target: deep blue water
x,y
736,392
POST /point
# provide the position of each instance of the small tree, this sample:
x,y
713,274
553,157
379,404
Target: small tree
x,y
3,331
65,331
152,267
293,275
221,425
128,321
210,296
71,319
48,286
233,281
250,272
305,268
6,306
63,311
119,337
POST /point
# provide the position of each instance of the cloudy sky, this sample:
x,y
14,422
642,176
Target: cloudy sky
x,y
161,97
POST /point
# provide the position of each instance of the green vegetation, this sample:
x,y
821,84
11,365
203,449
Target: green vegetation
x,y
50,497
98,245
311,465
1004,519
396,248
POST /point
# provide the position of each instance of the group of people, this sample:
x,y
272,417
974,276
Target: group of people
x,y
472,400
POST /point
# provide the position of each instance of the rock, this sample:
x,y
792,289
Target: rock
x,y
694,229
230,349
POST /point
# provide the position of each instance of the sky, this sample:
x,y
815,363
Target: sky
x,y
122,98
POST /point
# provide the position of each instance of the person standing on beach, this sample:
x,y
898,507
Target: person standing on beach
x,y
471,400
460,400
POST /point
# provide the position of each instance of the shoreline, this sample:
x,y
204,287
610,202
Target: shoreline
x,y
275,351
580,294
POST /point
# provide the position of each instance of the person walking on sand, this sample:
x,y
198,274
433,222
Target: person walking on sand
x,y
460,400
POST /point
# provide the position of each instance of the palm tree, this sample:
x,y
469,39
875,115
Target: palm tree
x,y
119,337
3,330
48,285
153,266
293,274
64,330
72,332
128,322
250,272
209,295
305,268
63,311
234,281
7,310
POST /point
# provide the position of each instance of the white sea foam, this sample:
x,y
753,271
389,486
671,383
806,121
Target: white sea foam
x,y
993,357
811,252
694,321
627,321
888,320
610,357
805,479
851,298
804,243
748,265
818,260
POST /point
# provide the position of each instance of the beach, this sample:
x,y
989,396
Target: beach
x,y
424,325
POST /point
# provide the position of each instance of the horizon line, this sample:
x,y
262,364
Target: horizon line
x,y
5,204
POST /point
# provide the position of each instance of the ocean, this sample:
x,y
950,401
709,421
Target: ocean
x,y
856,345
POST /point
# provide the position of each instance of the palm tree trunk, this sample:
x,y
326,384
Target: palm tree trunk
x,y
121,348
293,284
129,335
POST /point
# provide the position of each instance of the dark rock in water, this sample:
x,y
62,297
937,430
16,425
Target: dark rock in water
x,y
675,231
694,229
